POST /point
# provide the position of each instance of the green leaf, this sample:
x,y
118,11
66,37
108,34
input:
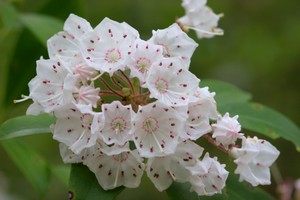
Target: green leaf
x,y
84,185
26,125
234,190
264,120
30,163
8,15
62,172
243,191
181,191
226,93
42,26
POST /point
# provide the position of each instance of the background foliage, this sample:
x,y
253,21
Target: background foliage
x,y
258,53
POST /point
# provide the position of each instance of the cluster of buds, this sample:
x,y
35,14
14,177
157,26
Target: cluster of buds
x,y
125,106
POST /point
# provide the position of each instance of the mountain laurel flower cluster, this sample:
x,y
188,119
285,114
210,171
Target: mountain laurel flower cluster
x,y
126,106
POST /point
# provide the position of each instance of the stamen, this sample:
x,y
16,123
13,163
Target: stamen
x,y
24,98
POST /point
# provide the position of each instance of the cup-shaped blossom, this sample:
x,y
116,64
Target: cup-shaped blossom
x,y
108,46
175,43
162,171
73,128
53,85
143,55
66,44
208,176
200,110
254,159
117,123
227,130
156,129
200,18
171,83
123,169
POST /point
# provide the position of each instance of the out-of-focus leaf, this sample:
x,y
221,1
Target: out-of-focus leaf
x,y
30,163
181,191
8,15
243,191
264,120
8,41
226,93
84,185
234,190
42,26
62,172
26,125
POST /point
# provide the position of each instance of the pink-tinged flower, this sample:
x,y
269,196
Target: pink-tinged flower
x,y
53,86
87,94
162,171
117,123
171,83
123,169
208,176
175,43
156,128
107,48
254,159
143,55
227,130
73,128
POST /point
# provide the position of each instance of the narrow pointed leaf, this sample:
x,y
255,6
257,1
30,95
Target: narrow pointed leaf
x,y
264,120
30,163
84,185
26,125
42,26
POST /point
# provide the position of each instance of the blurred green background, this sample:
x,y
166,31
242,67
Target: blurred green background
x,y
259,53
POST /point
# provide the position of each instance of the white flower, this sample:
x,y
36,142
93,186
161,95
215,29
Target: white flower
x,y
206,100
208,176
227,130
175,43
53,85
108,46
66,44
123,169
193,5
73,128
143,55
164,170
254,159
156,128
117,123
171,83
77,26
200,18
199,112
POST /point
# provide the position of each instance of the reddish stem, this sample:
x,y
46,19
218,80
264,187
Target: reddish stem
x,y
212,141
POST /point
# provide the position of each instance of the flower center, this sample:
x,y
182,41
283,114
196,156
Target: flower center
x,y
121,157
161,85
143,64
113,55
118,125
150,125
